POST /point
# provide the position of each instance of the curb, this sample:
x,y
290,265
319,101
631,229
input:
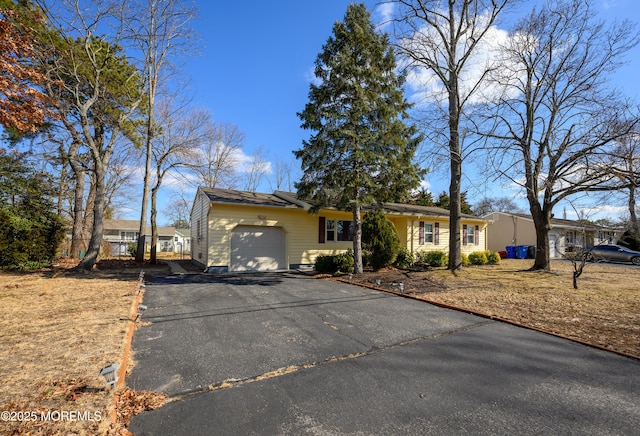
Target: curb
x,y
126,353
491,317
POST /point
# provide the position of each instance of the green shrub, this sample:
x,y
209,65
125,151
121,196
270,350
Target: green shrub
x,y
380,239
405,258
464,259
345,262
332,264
630,240
478,258
493,258
132,249
432,258
325,264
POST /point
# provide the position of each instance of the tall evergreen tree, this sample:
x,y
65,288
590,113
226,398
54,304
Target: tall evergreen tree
x,y
362,150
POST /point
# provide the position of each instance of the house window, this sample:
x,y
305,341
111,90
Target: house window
x,y
129,236
428,233
345,230
331,230
468,235
570,238
339,230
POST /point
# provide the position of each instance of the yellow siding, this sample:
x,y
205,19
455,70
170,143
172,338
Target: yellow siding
x,y
412,230
198,236
301,229
508,229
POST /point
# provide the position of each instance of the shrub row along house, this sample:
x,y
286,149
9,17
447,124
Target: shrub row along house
x,y
247,231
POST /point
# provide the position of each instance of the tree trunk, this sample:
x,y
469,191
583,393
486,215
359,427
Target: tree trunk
x,y
154,228
633,218
78,213
455,159
455,251
78,201
357,240
95,242
542,221
145,201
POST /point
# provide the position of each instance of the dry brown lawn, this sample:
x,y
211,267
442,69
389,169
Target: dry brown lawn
x,y
57,329
604,311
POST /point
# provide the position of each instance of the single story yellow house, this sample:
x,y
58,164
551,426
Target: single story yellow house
x,y
248,231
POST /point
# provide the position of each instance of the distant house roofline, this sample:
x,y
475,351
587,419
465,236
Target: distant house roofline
x,y
556,222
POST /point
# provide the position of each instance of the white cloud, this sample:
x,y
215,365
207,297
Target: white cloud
x,y
383,14
425,185
426,86
245,162
594,212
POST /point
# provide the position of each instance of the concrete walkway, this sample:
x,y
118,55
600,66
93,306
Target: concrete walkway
x,y
175,267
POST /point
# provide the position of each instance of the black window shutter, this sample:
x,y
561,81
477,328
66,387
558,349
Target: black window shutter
x,y
321,229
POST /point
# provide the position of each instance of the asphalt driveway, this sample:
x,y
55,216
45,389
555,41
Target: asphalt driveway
x,y
288,354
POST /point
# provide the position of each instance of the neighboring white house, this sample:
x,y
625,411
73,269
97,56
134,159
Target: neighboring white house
x,y
565,236
182,241
121,233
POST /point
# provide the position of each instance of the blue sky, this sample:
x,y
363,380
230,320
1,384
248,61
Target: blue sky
x,y
256,61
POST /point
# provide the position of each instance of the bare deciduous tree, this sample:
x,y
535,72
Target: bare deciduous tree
x,y
626,164
284,176
159,29
256,169
500,204
557,120
441,37
175,146
178,211
217,159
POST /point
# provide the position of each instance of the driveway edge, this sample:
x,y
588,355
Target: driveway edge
x,y
491,317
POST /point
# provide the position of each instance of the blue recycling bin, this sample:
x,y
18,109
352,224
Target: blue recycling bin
x,y
521,251
511,252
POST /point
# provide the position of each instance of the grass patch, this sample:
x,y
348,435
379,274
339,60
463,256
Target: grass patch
x,y
57,329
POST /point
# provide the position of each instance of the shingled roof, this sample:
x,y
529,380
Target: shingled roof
x,y
292,201
230,196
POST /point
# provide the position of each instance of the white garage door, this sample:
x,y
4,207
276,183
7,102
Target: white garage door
x,y
257,249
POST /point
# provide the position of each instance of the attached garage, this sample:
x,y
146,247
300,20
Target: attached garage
x,y
258,248
251,231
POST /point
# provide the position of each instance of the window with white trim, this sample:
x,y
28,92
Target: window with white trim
x,y
471,235
339,230
428,233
